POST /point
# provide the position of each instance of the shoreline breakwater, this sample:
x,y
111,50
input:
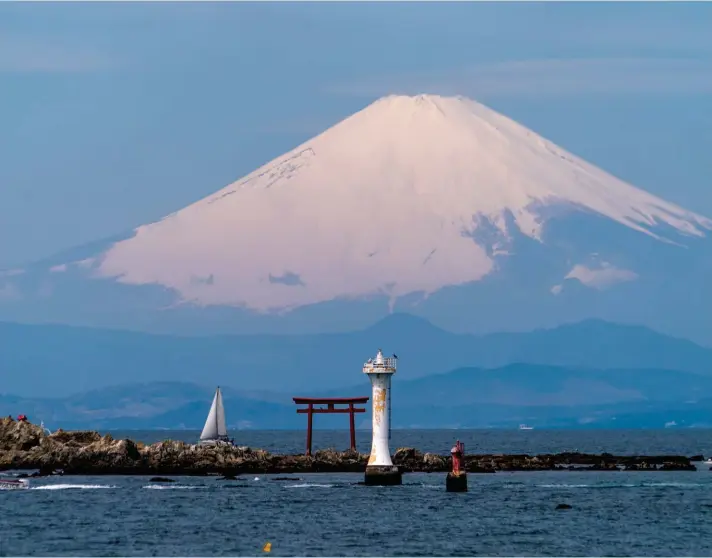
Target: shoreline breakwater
x,y
25,446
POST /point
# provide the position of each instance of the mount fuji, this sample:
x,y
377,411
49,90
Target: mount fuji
x,y
436,206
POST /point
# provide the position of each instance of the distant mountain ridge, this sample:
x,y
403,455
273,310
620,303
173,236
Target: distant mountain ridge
x,y
42,360
545,396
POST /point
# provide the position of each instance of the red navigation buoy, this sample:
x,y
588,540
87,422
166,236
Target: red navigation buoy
x,y
456,480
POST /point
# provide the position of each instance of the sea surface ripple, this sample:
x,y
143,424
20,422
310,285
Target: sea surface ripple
x,y
510,514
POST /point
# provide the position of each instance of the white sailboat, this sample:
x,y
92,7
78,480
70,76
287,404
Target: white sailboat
x,y
215,429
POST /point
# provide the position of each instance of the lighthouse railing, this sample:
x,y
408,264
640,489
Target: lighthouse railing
x,y
389,363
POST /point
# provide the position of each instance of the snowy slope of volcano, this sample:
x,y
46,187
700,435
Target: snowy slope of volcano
x,y
390,201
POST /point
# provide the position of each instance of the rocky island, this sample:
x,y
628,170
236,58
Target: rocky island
x,y
25,446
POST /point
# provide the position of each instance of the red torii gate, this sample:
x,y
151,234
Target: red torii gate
x,y
330,409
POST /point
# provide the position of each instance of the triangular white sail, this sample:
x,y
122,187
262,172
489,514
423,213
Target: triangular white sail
x,y
215,426
222,426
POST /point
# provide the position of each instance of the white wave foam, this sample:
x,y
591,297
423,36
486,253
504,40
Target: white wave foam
x,y
71,486
673,484
586,485
309,485
171,487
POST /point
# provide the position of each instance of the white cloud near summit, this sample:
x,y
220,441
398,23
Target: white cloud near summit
x,y
603,277
547,78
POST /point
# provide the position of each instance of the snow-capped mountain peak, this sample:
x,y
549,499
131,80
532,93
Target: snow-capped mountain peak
x,y
388,201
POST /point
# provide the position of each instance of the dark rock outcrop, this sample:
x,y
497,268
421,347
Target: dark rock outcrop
x,y
25,446
18,435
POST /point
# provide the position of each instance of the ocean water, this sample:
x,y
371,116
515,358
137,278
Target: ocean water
x,y
510,514
669,441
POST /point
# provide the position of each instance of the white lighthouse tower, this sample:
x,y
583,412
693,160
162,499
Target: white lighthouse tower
x,y
380,469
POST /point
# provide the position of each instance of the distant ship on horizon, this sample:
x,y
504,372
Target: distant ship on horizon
x,y
525,427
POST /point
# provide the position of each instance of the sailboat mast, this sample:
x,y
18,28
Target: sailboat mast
x,y
217,411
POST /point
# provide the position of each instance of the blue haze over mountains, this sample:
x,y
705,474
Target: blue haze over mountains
x,y
671,294
587,374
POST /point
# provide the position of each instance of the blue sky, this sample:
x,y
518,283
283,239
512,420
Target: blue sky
x,y
113,115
